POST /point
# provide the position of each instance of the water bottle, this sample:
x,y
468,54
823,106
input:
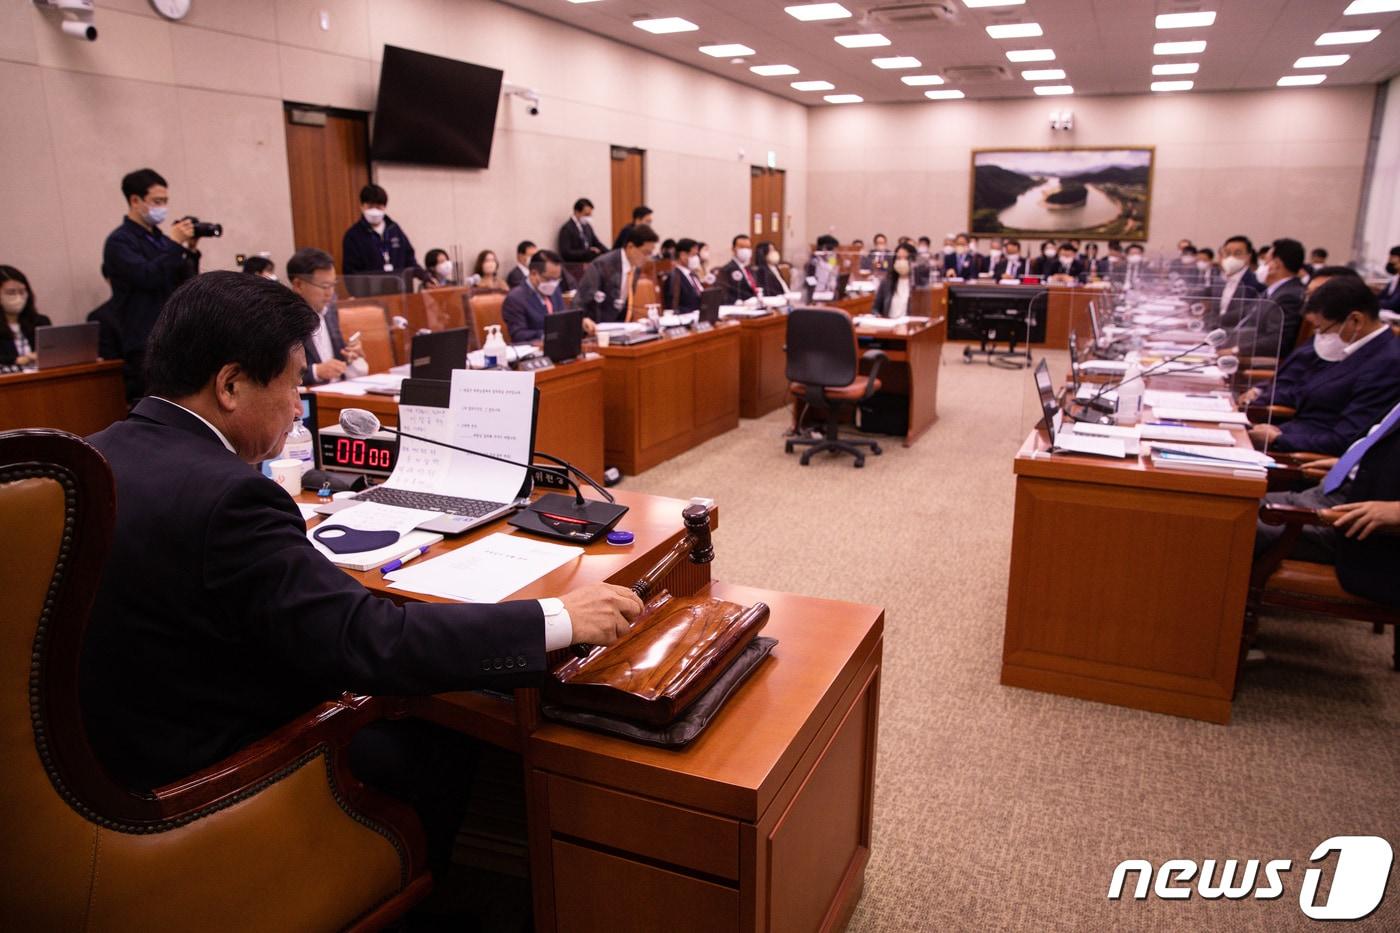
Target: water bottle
x,y
1130,393
299,446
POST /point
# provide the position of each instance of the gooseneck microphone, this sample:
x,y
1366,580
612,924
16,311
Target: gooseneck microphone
x,y
1215,338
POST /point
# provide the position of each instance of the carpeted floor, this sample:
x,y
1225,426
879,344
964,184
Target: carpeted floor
x,y
1004,809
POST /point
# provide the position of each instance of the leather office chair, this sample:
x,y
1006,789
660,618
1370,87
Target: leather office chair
x,y
1279,582
486,309
442,307
277,837
372,323
644,295
823,363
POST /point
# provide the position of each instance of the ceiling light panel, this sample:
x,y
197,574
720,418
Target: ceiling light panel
x,y
1176,68
1185,20
976,4
1053,90
921,80
1193,47
1031,55
864,40
843,99
1166,86
1347,37
815,12
732,50
773,71
812,86
949,94
1015,31
1322,61
665,25
896,62
1300,80
1359,7
1044,74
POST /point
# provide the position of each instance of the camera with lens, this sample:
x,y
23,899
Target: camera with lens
x,y
203,229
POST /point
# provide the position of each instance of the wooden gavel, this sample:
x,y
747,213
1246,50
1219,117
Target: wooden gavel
x,y
697,545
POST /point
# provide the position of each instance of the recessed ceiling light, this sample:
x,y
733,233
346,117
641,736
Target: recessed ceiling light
x,y
944,95
773,71
812,12
1300,80
921,80
732,50
896,61
583,1
1053,90
1044,74
1015,31
1321,61
974,4
1369,6
864,40
1347,37
668,24
813,86
1176,68
1160,86
1193,47
1184,20
1031,55
843,99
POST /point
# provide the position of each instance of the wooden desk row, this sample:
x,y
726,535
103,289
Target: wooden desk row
x,y
763,823
78,399
1128,582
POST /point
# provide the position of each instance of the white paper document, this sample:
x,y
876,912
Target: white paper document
x,y
1196,401
341,388
485,571
1196,414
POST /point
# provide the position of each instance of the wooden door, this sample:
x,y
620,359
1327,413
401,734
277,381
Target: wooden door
x,y
767,216
328,164
628,186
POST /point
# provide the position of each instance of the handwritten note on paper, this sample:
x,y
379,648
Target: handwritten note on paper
x,y
485,571
492,411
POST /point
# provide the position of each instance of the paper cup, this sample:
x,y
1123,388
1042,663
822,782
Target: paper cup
x,y
287,474
603,338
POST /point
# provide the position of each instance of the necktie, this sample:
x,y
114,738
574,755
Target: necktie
x,y
1338,474
631,290
752,284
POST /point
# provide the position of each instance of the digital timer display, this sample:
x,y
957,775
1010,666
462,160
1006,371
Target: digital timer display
x,y
375,454
358,453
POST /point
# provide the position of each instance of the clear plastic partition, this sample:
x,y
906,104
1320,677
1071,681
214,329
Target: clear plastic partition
x,y
375,284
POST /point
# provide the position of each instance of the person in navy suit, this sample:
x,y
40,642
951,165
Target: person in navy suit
x,y
529,303
577,241
311,273
963,262
1068,266
216,621
683,285
1390,294
1350,374
374,244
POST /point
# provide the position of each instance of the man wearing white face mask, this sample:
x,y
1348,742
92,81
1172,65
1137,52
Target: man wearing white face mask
x,y
1345,381
683,286
145,266
770,280
736,278
374,243
529,303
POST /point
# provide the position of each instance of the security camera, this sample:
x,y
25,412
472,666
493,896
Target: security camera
x,y
77,17
527,94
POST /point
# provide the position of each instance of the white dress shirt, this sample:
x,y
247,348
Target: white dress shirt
x,y
1232,282
321,338
22,347
899,301
217,433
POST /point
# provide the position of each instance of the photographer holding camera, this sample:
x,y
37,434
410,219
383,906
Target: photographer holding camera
x,y
145,266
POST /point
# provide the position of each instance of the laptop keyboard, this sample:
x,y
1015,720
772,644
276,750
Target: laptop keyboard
x,y
453,505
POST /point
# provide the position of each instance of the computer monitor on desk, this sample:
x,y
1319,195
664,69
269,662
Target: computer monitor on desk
x,y
710,300
563,336
435,355
65,345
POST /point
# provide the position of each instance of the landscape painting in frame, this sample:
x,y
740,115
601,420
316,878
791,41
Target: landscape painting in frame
x,y
1083,194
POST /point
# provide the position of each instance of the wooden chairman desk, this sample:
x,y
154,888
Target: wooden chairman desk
x,y
666,396
570,422
78,399
1128,582
761,824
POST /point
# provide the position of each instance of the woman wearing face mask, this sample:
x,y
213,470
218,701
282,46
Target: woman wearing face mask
x,y
484,273
1044,264
770,279
439,268
704,272
892,297
17,336
261,265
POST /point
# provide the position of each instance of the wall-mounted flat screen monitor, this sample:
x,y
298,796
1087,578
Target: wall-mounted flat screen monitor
x,y
434,110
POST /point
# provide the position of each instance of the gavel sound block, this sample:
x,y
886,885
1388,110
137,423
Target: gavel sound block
x,y
673,651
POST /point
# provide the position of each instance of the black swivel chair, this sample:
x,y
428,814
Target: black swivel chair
x,y
823,366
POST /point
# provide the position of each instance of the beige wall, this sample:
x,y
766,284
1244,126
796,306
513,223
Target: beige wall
x,y
1382,229
201,101
1265,163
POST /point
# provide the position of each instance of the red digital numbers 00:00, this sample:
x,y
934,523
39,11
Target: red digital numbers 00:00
x,y
357,453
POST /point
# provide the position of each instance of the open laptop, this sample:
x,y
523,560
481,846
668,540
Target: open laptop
x,y
1066,441
435,355
563,336
65,345
460,514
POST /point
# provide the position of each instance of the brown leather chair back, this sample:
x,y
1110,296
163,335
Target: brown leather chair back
x,y
646,294
438,308
372,324
486,309
1305,333
299,847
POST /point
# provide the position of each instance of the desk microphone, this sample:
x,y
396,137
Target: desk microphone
x,y
577,521
1215,338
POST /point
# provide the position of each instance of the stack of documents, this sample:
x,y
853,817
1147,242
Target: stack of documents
x,y
728,311
1196,401
623,327
1198,457
371,516
485,571
1165,413
1104,367
1149,431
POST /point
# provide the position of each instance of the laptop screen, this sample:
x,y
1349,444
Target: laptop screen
x,y
435,355
1045,386
437,393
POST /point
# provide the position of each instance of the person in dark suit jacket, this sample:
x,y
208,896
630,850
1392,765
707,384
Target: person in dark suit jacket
x,y
145,266
523,251
17,302
609,283
683,286
1350,375
964,261
577,241
1068,266
1012,264
640,215
216,621
1390,294
529,303
892,294
765,270
1270,327
736,277
374,244
311,274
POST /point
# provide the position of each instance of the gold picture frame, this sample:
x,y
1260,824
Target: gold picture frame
x,y
1063,192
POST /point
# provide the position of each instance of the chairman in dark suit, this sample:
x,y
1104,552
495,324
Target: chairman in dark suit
x,y
1350,375
1269,326
607,292
577,241
144,266
529,303
311,274
216,621
1011,265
